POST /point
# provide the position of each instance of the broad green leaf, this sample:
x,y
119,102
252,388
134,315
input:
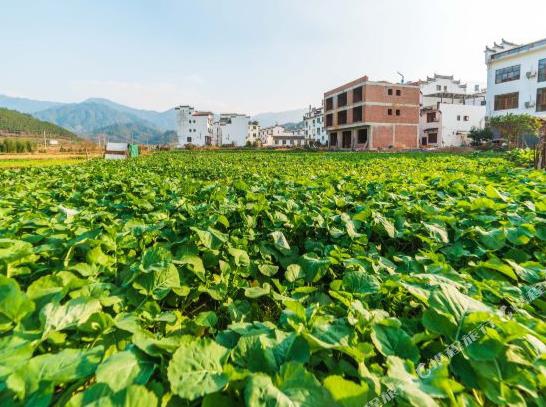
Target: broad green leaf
x,y
280,241
256,292
14,304
196,369
292,387
57,317
393,341
345,392
123,369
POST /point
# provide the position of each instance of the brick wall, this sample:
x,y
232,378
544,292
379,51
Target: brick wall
x,y
379,94
406,136
382,136
379,114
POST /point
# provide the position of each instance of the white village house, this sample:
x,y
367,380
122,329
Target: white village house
x,y
516,78
194,127
253,132
231,129
449,111
200,129
313,124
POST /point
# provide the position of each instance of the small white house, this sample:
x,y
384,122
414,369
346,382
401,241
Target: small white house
x,y
450,109
193,127
253,132
232,129
313,122
267,134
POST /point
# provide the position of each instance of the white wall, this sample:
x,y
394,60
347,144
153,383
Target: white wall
x,y
200,128
313,122
267,133
527,87
452,122
253,132
234,129
183,114
446,86
192,127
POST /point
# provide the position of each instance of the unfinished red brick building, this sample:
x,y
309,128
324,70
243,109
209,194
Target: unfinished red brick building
x,y
366,115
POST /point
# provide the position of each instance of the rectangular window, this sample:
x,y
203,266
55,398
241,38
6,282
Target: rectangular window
x,y
362,136
283,142
459,118
276,141
511,73
507,101
329,120
438,87
542,70
330,103
357,94
432,138
389,112
342,99
397,112
342,117
431,117
541,100
398,92
188,139
357,114
389,92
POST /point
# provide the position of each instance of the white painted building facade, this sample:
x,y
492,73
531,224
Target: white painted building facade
x,y
193,127
232,129
448,125
313,122
267,134
516,78
449,110
253,136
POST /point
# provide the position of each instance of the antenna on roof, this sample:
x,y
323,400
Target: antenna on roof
x,y
402,77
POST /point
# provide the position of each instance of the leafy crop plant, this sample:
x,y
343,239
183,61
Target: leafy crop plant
x,y
274,279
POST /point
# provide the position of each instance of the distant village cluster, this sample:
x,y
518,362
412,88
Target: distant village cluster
x,y
368,115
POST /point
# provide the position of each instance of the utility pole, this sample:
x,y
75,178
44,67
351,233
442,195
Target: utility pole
x,y
45,145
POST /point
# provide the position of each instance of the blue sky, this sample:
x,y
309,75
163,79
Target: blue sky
x,y
248,56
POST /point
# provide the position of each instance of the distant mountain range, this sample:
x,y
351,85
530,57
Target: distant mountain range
x,y
134,132
272,118
96,116
25,105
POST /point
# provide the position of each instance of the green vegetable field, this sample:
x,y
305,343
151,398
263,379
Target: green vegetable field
x,y
274,279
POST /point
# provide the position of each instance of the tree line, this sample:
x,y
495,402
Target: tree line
x,y
17,146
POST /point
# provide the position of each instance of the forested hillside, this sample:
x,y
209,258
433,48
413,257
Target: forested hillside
x,y
15,122
134,132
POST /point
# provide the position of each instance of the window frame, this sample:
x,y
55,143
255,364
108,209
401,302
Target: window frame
x,y
541,92
508,74
541,76
357,94
505,96
357,118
